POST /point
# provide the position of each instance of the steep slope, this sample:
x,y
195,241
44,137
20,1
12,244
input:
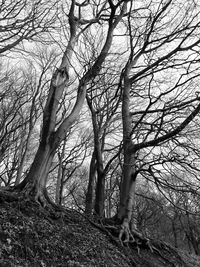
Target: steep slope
x,y
33,236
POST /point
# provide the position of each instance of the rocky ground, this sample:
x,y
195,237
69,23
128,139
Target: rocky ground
x,y
31,236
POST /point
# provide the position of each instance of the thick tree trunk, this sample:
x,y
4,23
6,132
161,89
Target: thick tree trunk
x,y
35,182
127,191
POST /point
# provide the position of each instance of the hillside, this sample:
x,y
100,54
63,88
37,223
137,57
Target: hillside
x,y
34,236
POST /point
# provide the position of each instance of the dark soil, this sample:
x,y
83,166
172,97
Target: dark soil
x,y
31,236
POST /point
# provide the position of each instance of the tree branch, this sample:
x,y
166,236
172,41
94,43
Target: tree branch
x,y
169,135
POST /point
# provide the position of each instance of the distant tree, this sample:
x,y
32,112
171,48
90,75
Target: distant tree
x,y
70,159
103,101
24,20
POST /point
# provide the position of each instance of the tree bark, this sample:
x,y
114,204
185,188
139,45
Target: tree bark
x,y
90,188
35,182
128,183
58,196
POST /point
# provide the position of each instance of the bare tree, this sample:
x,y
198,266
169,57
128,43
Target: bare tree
x,y
70,159
51,136
24,20
153,53
103,100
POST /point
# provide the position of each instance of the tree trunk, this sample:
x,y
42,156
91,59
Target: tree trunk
x,y
128,183
99,206
58,196
23,154
90,189
35,182
174,233
127,191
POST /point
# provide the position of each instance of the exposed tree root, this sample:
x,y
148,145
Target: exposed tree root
x,y
128,237
22,194
120,234
125,235
134,239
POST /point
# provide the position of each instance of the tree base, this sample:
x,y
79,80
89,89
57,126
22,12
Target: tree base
x,y
27,193
128,237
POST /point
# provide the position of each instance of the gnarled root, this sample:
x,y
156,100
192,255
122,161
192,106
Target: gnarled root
x,y
126,233
127,236
40,198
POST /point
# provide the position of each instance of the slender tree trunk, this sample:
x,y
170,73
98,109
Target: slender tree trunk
x,y
90,189
99,206
58,196
100,195
128,183
21,161
23,155
174,233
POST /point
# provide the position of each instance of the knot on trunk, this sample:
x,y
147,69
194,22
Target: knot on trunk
x,y
60,77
